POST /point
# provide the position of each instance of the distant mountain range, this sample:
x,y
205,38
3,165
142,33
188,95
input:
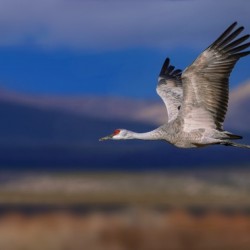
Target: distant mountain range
x,y
148,111
142,110
62,132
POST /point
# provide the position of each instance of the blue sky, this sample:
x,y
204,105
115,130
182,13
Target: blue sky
x,y
78,47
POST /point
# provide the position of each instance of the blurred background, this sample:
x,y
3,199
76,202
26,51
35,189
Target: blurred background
x,y
72,71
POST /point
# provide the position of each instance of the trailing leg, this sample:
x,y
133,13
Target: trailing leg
x,y
229,143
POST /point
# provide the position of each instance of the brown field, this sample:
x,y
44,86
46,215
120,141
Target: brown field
x,y
170,211
134,229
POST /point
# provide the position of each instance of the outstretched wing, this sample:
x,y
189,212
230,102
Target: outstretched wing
x,y
169,88
205,82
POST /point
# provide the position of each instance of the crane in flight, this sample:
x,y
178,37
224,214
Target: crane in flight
x,y
197,98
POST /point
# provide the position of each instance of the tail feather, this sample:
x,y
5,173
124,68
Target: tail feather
x,y
232,136
229,143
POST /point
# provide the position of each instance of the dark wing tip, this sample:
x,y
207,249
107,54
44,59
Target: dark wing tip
x,y
168,71
227,33
231,43
233,24
239,55
165,66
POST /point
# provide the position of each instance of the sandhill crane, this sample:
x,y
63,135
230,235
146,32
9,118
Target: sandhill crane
x,y
197,98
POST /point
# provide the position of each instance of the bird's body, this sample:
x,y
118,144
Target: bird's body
x,y
197,98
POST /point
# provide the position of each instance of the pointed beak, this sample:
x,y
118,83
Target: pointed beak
x,y
106,138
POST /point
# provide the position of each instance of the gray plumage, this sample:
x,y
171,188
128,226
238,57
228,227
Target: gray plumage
x,y
197,98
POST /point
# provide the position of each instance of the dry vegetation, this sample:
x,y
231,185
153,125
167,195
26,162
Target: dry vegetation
x,y
170,211
202,188
125,230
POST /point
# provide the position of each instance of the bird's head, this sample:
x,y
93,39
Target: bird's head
x,y
118,134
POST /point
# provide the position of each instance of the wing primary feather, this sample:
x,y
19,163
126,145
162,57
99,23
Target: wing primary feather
x,y
238,55
170,69
224,34
231,37
236,42
176,72
165,66
239,48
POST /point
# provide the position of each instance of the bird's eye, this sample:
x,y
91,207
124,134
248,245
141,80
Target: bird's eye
x,y
116,132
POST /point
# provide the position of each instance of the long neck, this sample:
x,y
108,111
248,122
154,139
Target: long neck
x,y
151,135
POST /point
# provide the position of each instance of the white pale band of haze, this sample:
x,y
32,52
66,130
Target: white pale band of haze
x,y
108,25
